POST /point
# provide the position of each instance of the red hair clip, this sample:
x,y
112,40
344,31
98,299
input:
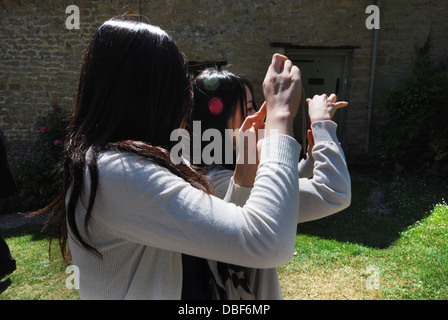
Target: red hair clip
x,y
215,106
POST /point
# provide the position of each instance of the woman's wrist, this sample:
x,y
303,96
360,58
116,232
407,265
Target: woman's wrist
x,y
321,118
279,123
244,174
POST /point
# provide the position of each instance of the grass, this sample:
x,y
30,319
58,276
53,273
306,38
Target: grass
x,y
357,254
37,277
404,250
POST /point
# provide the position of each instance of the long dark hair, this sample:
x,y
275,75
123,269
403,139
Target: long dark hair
x,y
133,91
230,89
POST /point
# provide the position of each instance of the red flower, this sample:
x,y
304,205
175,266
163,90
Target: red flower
x,y
43,129
58,143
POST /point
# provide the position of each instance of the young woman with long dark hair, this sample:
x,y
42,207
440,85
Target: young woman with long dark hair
x,y
128,212
325,187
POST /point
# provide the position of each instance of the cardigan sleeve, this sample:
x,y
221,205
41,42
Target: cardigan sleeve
x,y
326,193
306,167
329,190
142,202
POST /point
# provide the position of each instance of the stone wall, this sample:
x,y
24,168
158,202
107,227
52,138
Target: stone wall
x,y
41,58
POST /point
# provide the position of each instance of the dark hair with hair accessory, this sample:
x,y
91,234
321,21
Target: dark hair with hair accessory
x,y
219,90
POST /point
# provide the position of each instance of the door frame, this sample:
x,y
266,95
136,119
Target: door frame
x,y
298,54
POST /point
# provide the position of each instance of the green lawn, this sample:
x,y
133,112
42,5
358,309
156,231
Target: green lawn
x,y
37,276
355,254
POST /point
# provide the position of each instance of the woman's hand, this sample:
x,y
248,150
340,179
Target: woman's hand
x,y
282,88
323,107
248,148
309,135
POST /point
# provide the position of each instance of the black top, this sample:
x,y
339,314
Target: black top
x,y
7,183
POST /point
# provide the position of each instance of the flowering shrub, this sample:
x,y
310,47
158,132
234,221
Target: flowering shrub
x,y
38,168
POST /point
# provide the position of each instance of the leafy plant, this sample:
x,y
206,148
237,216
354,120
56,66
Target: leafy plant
x,y
38,168
415,136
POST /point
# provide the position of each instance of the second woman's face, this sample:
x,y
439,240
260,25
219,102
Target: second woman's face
x,y
236,121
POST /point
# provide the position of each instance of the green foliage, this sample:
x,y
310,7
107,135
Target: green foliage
x,y
38,168
416,133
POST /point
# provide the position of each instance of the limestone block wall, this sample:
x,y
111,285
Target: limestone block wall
x,y
41,58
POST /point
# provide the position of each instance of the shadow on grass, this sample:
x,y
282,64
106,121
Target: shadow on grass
x,y
35,230
409,200
357,224
5,284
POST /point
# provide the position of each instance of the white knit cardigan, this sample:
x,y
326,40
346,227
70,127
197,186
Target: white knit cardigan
x,y
144,218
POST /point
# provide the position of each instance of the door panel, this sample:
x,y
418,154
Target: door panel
x,y
323,71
